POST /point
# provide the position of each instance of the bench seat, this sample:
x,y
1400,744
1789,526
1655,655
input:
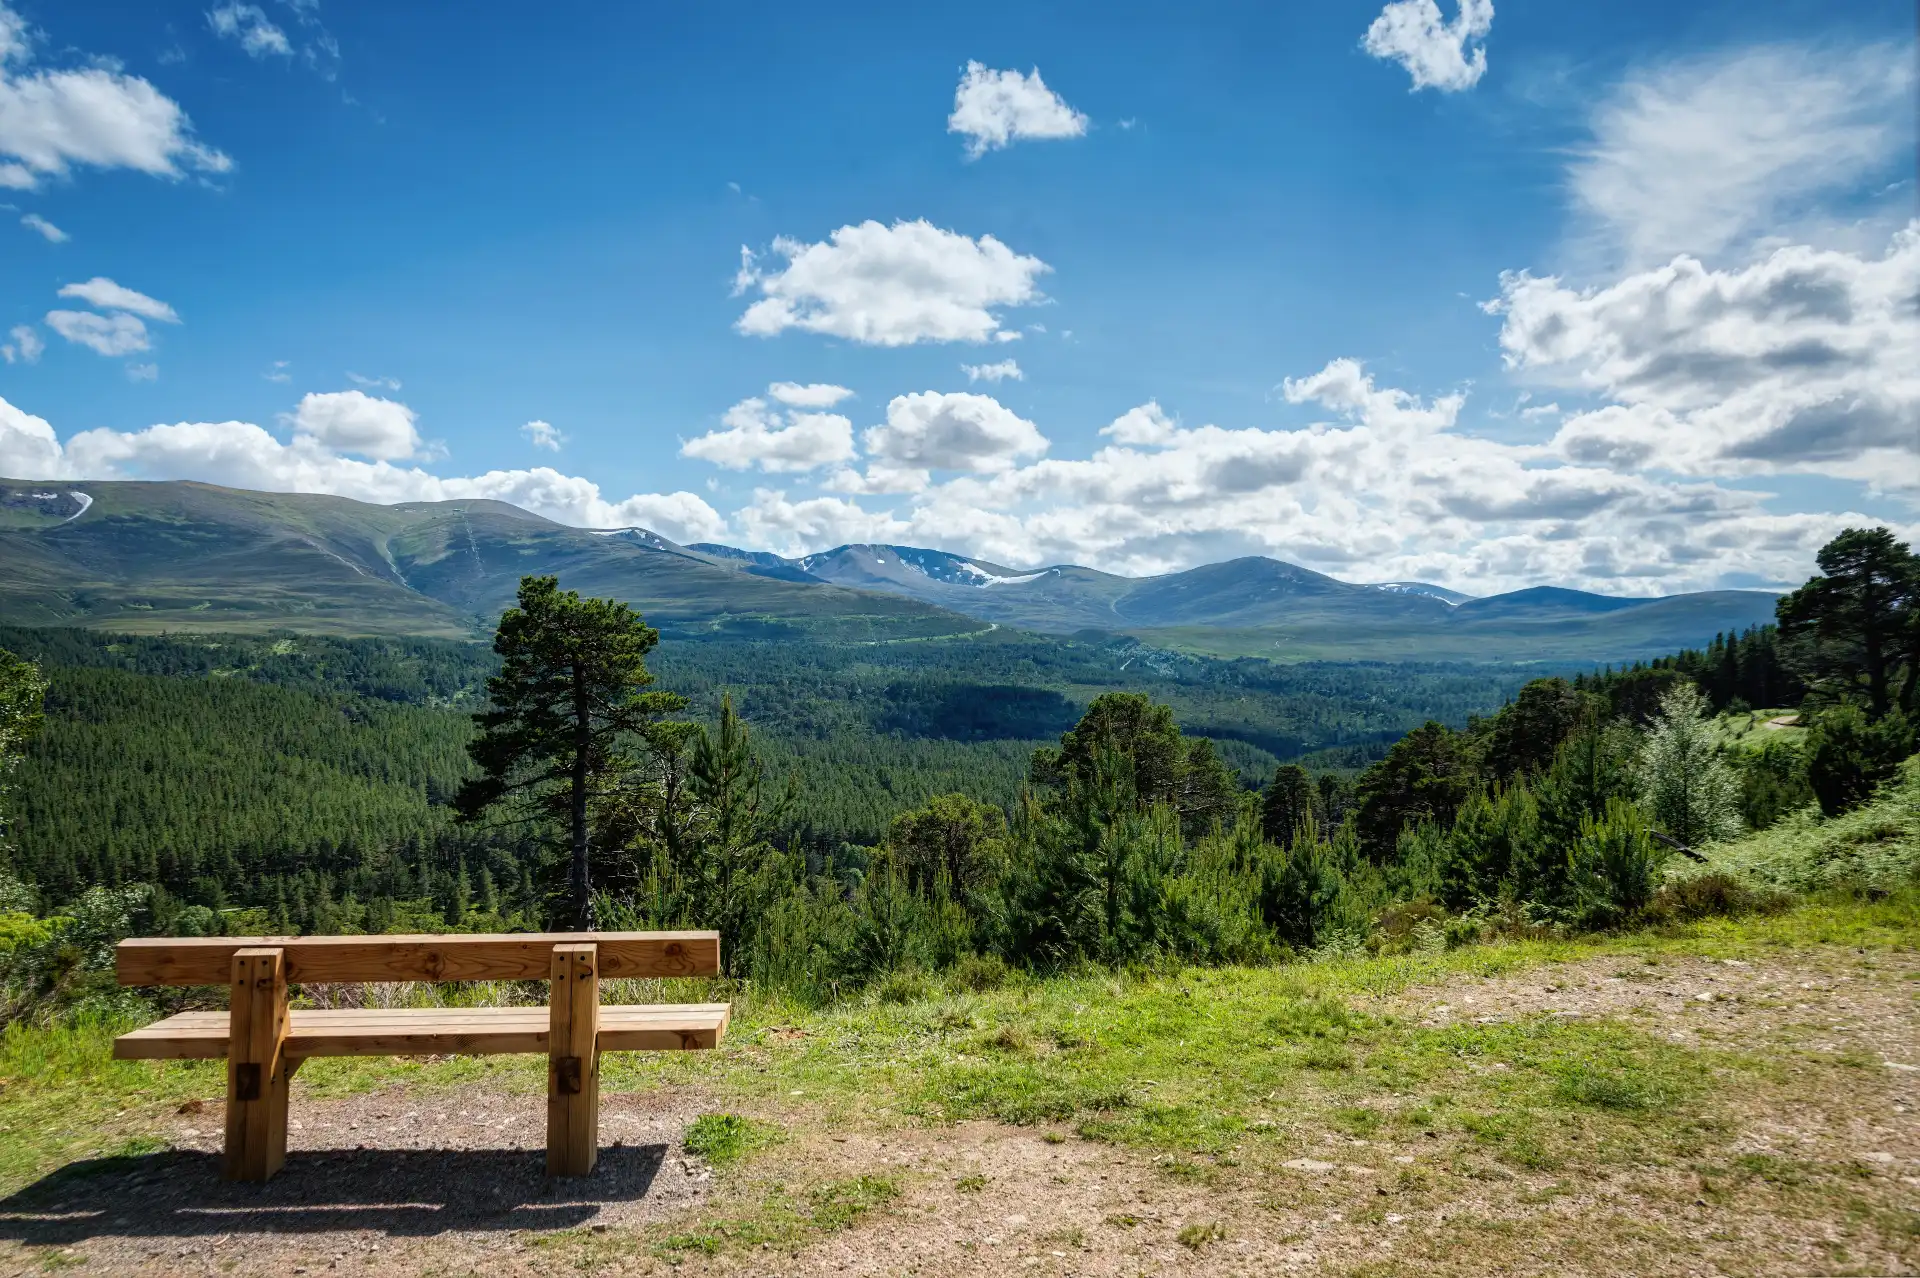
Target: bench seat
x,y
437,1031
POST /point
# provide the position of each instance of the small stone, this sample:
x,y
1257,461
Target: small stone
x,y
1308,1165
1878,1156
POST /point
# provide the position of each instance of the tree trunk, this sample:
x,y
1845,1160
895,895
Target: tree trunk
x,y
581,887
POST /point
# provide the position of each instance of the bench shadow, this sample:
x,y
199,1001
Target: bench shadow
x,y
399,1192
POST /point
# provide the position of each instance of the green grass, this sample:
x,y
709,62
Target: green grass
x,y
1199,1069
725,1139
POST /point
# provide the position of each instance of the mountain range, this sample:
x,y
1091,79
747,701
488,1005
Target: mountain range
x,y
147,556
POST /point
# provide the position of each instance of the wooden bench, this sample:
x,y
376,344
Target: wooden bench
x,y
265,1041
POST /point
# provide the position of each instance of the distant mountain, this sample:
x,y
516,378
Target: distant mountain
x,y
187,556
1422,588
1257,606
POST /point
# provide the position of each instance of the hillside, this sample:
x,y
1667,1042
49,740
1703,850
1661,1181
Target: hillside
x,y
188,556
1260,607
148,557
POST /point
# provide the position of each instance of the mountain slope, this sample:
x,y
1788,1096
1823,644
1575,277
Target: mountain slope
x,y
188,556
1255,606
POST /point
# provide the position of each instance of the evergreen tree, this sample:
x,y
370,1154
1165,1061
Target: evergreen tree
x,y
1684,783
1856,630
568,713
1287,801
1849,756
1425,777
22,694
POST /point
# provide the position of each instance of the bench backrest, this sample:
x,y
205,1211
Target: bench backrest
x,y
516,956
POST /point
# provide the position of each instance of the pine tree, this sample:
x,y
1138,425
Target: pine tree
x,y
1684,783
569,713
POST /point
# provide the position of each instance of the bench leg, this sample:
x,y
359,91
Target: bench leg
x,y
573,1061
257,1066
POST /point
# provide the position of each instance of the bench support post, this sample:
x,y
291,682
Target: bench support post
x,y
257,1065
573,1065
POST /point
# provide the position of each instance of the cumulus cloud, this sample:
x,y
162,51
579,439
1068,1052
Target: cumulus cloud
x,y
47,230
249,26
103,293
999,372
110,335
355,422
1435,52
812,395
243,455
25,345
994,108
1145,426
143,372
1708,153
1799,361
1345,386
889,285
930,430
1391,488
52,120
543,435
756,434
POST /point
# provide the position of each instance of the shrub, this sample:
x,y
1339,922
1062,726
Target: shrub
x,y
1616,865
1848,757
1714,894
978,973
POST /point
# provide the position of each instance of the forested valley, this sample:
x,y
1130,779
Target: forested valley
x,y
848,813
302,782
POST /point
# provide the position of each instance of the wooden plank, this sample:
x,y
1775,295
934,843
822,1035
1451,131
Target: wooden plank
x,y
477,1031
257,1024
692,1028
573,1073
519,956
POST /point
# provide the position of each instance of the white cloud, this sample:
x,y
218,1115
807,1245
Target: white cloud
x,y
757,434
1800,361
1706,154
51,120
999,372
242,455
28,447
355,422
889,285
143,372
26,346
812,395
1345,386
1147,425
250,27
959,431
543,435
379,383
108,296
110,335
52,233
1434,51
994,108
277,371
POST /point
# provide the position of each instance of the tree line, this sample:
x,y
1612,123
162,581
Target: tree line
x,y
591,795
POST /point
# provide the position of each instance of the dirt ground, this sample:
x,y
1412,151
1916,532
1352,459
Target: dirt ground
x,y
451,1183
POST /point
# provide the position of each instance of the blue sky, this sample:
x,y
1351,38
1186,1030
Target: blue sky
x,y
1386,290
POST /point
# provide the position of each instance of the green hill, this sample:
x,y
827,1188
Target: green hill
x,y
189,556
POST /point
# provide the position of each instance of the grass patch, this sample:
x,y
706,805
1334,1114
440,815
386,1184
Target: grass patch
x,y
724,1139
784,1219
